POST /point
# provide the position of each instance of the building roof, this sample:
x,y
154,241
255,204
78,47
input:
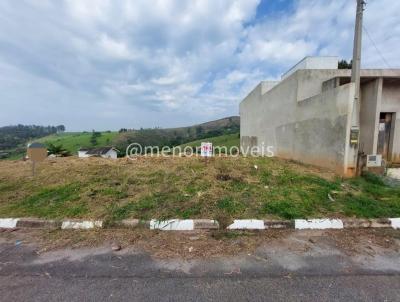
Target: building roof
x,y
97,151
330,63
36,145
313,62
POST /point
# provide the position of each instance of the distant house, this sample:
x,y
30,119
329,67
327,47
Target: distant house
x,y
105,152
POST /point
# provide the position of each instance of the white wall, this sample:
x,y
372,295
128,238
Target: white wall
x,y
83,154
391,103
371,95
110,154
329,62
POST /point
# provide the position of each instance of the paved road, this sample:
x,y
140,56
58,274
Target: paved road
x,y
272,273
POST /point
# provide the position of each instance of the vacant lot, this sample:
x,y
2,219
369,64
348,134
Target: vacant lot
x,y
185,187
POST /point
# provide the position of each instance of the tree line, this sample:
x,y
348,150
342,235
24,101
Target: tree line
x,y
15,135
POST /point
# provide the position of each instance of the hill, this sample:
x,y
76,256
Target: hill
x,y
178,136
72,141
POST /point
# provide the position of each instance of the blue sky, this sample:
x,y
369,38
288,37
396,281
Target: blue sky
x,y
91,64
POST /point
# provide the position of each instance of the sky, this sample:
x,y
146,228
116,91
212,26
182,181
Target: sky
x,y
108,64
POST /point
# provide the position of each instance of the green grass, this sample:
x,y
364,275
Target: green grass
x,y
51,202
230,206
286,194
187,187
72,141
228,141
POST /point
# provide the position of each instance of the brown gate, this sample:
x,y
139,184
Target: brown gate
x,y
385,123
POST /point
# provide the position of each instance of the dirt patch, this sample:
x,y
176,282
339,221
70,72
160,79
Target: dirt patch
x,y
207,244
359,241
186,245
223,177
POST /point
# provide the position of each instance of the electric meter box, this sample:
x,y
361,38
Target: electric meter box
x,y
374,160
354,134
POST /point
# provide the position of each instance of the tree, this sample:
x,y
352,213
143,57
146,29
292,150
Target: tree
x,y
93,140
199,130
60,128
344,65
57,150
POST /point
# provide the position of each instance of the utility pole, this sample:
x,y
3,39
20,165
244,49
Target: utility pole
x,y
355,70
355,78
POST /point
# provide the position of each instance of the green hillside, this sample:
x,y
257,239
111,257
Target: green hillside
x,y
177,136
72,141
223,131
228,141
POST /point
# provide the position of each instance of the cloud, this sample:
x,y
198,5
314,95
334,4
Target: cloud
x,y
110,64
114,49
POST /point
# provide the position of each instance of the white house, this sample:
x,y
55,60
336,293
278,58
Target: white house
x,y
105,152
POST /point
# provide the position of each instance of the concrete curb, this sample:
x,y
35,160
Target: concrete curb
x,y
81,224
8,223
279,224
318,224
247,224
202,224
367,223
36,223
172,225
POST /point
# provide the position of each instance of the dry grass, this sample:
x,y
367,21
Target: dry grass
x,y
173,187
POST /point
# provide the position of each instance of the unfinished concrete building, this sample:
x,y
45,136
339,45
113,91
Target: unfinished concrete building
x,y
311,116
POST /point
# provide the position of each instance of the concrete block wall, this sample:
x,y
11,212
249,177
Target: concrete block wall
x,y
313,129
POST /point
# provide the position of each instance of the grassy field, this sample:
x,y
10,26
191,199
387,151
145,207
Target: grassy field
x,y
228,141
72,141
225,187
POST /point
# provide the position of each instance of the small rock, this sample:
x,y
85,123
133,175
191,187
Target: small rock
x,y
190,249
312,240
266,187
116,247
194,238
255,167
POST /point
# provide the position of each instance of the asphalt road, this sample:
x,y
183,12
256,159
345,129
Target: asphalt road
x,y
272,273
